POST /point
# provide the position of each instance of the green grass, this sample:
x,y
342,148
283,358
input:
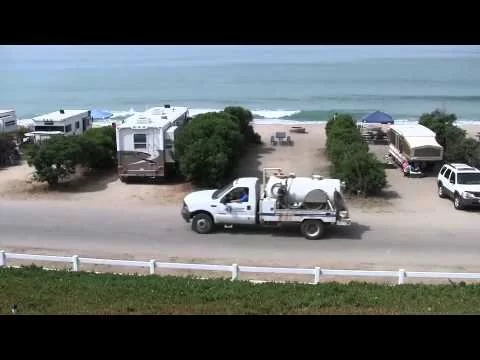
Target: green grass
x,y
36,291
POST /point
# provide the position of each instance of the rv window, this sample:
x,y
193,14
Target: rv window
x,y
77,124
447,173
49,128
139,141
68,128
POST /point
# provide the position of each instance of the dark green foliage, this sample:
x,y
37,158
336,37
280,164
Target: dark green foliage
x,y
457,147
244,117
342,121
59,156
350,157
209,147
440,123
361,171
55,159
7,149
99,148
61,292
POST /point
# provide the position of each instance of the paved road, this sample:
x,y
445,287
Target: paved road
x,y
374,241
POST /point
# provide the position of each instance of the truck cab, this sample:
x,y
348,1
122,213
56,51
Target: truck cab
x,y
235,203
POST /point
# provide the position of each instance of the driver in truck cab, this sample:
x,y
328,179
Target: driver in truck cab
x,y
242,198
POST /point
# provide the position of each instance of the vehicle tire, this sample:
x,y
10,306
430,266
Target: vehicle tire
x,y
441,191
457,202
312,229
124,179
202,223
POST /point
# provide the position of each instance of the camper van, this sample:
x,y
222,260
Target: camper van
x,y
62,122
8,121
414,144
145,142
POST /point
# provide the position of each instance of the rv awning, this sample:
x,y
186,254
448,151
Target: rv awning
x,y
416,142
378,117
101,115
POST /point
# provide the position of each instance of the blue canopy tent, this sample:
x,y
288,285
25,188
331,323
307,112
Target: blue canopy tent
x,y
378,117
101,115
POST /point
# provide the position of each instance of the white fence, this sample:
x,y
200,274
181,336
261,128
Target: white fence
x,y
235,269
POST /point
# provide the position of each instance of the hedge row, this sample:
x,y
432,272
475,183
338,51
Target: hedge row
x,y
59,156
457,146
351,160
210,146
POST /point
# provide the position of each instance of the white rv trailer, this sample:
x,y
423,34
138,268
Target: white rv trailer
x,y
68,122
414,143
145,142
8,121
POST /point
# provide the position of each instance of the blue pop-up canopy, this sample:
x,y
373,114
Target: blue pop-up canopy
x,y
100,115
378,117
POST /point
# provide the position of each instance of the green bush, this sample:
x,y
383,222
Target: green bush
x,y
342,139
362,172
456,146
208,148
342,121
7,149
58,157
99,148
350,157
55,159
243,118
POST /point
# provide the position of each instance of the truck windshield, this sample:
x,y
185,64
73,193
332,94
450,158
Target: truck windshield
x,y
218,192
469,178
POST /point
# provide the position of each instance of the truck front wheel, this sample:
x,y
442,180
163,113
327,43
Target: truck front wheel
x,y
312,229
202,223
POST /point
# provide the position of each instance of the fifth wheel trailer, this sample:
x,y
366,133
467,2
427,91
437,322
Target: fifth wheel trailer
x,y
145,142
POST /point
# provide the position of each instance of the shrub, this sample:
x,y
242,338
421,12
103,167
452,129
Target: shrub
x,y
342,121
207,148
456,146
7,149
55,159
362,172
59,156
342,139
99,148
350,157
243,118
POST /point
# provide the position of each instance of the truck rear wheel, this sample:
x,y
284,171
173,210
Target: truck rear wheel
x,y
312,229
202,223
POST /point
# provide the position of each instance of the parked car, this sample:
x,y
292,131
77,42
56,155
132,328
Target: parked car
x,y
461,183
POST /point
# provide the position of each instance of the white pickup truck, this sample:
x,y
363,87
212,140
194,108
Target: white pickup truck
x,y
311,202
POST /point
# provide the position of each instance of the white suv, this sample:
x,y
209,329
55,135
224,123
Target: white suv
x,y
461,183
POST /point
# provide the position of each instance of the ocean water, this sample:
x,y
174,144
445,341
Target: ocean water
x,y
278,83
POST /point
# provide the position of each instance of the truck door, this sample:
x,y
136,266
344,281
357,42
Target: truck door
x,y
237,207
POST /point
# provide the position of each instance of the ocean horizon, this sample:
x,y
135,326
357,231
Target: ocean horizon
x,y
286,84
